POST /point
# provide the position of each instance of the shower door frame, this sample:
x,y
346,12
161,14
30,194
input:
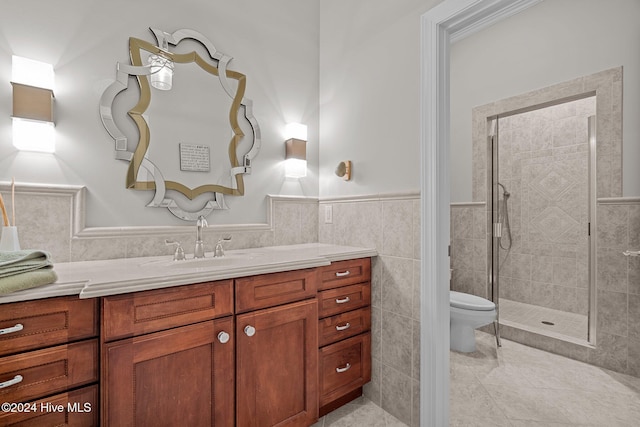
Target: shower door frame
x,y
493,235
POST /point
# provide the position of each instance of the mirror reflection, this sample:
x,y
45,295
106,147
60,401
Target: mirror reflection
x,y
196,135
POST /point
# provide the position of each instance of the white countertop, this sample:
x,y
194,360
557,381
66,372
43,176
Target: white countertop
x,y
90,279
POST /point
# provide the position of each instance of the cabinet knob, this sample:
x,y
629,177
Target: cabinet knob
x,y
249,330
343,273
343,300
223,337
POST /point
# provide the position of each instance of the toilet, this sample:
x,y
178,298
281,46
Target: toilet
x,y
468,312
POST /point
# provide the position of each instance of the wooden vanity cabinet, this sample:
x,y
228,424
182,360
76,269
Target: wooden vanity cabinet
x,y
49,362
344,328
176,364
276,350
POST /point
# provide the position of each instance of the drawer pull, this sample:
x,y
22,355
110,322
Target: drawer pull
x,y
343,273
17,379
11,330
343,300
223,337
345,369
249,330
344,327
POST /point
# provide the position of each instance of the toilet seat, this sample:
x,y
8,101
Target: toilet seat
x,y
470,302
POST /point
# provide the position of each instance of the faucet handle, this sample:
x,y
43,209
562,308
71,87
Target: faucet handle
x,y
219,250
179,253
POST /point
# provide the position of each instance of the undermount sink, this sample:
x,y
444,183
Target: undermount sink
x,y
205,262
232,257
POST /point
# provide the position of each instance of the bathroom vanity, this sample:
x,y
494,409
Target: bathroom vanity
x,y
276,336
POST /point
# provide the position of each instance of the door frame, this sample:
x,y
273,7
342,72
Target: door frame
x,y
444,24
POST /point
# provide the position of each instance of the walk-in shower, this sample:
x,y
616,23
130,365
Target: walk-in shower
x,y
542,205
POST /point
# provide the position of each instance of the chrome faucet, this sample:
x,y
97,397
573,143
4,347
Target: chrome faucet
x,y
219,251
199,250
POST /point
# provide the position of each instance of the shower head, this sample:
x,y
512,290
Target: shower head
x,y
505,193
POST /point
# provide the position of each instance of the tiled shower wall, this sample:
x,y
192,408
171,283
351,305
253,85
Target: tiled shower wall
x,y
618,226
617,282
543,163
392,226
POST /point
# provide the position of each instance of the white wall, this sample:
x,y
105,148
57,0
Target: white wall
x,y
369,94
552,42
275,44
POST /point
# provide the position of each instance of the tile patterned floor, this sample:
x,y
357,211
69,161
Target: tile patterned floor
x,y
359,413
518,386
530,317
523,386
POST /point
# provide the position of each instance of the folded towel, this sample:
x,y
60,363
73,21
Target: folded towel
x,y
30,279
16,262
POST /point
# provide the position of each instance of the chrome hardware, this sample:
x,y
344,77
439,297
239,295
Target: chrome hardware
x,y
199,250
17,379
179,254
343,274
345,369
223,337
219,251
631,253
342,328
343,300
497,229
249,330
16,328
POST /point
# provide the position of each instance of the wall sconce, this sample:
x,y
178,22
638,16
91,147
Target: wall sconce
x,y
161,72
343,170
295,165
161,68
32,119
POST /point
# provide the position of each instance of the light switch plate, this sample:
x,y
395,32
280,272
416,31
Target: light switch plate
x,y
328,214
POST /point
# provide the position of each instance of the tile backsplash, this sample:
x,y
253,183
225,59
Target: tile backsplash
x,y
51,218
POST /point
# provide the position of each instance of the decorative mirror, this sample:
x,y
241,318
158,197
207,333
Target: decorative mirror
x,y
196,134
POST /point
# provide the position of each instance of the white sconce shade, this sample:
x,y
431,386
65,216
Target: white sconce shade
x,y
33,135
32,73
161,72
295,165
33,115
295,130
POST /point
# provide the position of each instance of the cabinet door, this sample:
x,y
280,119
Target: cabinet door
x,y
179,377
277,366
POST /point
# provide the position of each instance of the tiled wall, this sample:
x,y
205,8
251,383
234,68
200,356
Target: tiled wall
x,y
617,283
618,225
543,163
618,286
469,248
392,226
51,218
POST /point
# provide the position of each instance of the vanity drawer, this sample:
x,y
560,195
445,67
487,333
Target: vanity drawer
x,y
343,273
139,313
54,411
35,324
269,290
344,366
340,300
341,326
50,370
